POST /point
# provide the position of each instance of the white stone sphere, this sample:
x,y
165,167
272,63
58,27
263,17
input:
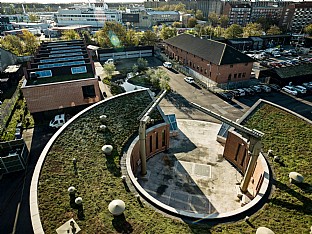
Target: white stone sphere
x,y
264,230
71,189
116,207
107,149
78,200
295,177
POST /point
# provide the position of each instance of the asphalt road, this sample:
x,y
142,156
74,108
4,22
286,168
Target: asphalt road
x,y
184,92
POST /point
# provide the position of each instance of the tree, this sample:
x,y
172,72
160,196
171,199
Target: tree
x,y
70,35
191,22
177,24
218,31
33,18
213,19
266,23
167,32
224,21
274,30
87,37
252,29
149,38
158,78
30,43
234,31
199,15
13,44
308,29
180,7
131,38
142,64
109,69
113,34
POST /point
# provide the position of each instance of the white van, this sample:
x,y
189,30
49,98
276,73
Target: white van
x,y
109,61
167,64
58,121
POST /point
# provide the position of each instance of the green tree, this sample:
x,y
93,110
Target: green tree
x,y
218,31
167,32
142,64
149,38
177,24
87,37
33,18
113,34
132,38
234,31
252,29
274,30
30,43
224,21
191,22
13,44
109,69
159,78
213,18
70,35
180,7
199,15
308,29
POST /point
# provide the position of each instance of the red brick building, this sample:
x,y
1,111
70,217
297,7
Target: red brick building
x,y
217,61
60,76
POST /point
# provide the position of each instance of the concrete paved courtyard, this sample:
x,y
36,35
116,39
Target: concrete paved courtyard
x,y
193,176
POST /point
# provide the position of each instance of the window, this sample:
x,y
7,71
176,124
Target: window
x,y
244,74
156,140
239,75
246,64
231,66
235,75
88,91
42,74
163,138
77,70
230,77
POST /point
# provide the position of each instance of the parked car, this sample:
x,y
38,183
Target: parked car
x,y
300,89
290,89
256,88
225,95
109,61
265,88
167,65
189,80
241,92
308,86
235,93
275,87
249,91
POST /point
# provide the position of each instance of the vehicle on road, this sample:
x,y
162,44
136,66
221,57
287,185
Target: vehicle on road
x,y
275,87
290,89
167,65
58,121
225,95
241,92
189,80
249,91
265,88
256,88
109,61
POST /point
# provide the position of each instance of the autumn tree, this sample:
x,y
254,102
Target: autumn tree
x,y
308,29
191,22
167,32
234,31
70,35
13,44
149,38
199,15
109,69
252,29
33,18
224,21
132,38
177,24
274,30
159,78
113,34
213,18
30,42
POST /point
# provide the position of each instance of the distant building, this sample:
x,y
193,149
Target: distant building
x,y
217,61
150,18
296,16
266,10
93,15
60,77
238,13
5,24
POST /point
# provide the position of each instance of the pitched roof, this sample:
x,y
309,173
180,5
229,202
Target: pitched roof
x,y
294,71
213,51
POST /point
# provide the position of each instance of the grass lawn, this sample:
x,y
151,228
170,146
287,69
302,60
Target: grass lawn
x,y
290,208
98,179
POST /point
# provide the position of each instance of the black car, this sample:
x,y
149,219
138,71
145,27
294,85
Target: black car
x,y
225,95
249,91
275,87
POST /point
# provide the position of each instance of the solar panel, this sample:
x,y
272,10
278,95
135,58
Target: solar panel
x,y
77,70
45,73
67,54
60,59
173,122
67,47
65,51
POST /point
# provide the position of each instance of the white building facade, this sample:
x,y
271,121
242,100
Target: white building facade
x,y
87,15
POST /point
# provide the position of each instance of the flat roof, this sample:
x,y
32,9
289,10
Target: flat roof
x,y
12,68
71,27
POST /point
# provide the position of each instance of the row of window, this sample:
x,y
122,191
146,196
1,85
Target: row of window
x,y
237,75
60,59
89,16
74,70
62,55
65,46
61,64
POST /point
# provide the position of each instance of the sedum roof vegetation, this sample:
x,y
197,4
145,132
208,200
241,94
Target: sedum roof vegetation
x,y
98,179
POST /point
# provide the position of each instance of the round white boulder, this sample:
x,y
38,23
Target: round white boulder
x,y
116,207
78,200
107,149
71,189
295,177
264,230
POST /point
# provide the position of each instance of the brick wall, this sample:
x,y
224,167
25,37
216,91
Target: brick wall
x,y
219,74
59,95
